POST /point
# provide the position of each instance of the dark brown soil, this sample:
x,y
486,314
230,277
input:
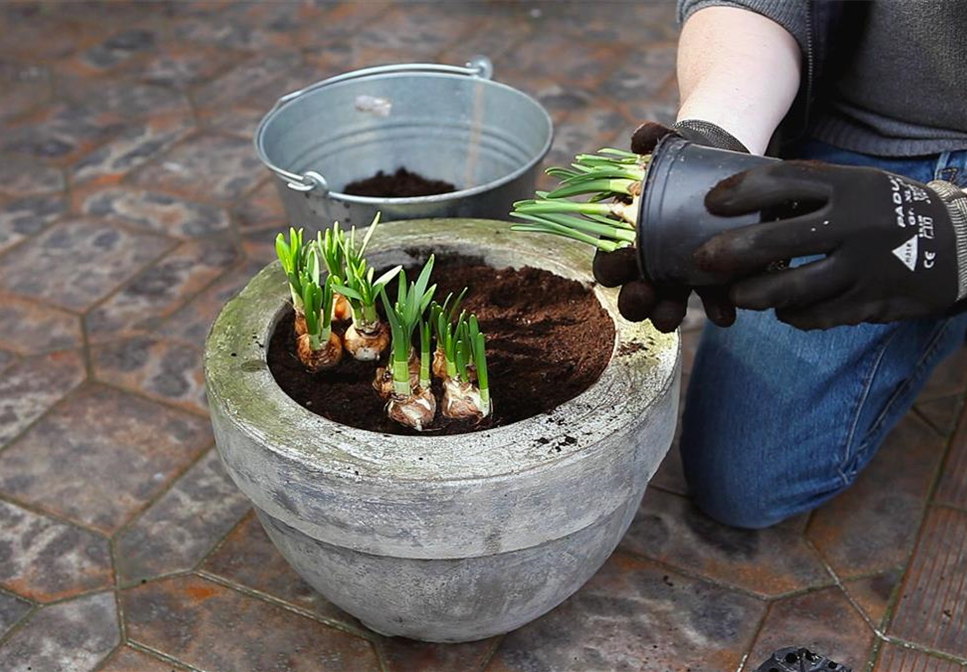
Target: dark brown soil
x,y
401,184
548,340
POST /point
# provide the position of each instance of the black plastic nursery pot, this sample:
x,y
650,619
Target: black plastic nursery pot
x,y
672,219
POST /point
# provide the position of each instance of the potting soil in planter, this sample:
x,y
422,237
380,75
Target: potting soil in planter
x,y
548,340
401,184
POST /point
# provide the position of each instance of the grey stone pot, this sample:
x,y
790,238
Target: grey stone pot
x,y
444,539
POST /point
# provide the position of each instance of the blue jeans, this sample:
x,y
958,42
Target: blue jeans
x,y
778,421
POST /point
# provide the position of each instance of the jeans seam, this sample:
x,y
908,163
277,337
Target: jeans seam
x,y
861,403
927,355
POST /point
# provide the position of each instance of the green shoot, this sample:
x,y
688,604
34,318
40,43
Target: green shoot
x,y
318,306
425,356
608,226
479,352
291,255
331,244
448,335
404,315
358,284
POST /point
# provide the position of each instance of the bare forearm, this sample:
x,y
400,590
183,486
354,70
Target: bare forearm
x,y
738,70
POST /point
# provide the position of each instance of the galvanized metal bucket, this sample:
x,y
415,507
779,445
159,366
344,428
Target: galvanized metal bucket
x,y
441,121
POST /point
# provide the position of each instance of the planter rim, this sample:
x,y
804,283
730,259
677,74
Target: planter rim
x,y
642,368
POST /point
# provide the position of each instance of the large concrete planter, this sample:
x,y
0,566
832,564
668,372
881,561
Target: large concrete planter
x,y
444,538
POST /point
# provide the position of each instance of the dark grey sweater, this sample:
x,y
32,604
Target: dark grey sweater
x,y
895,80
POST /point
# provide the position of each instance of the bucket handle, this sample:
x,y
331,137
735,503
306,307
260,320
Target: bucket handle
x,y
478,66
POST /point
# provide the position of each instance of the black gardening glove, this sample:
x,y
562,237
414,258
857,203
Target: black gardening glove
x,y
894,249
640,298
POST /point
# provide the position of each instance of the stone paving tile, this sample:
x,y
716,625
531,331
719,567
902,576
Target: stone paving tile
x,y
101,436
248,79
586,130
262,209
29,387
135,146
549,52
637,24
248,558
671,530
952,489
932,610
495,37
942,413
164,370
30,327
238,121
20,176
83,262
7,358
12,609
30,32
873,593
129,99
155,212
823,621
114,52
645,78
205,168
183,525
213,627
636,615
61,133
192,322
127,659
144,302
182,67
66,637
406,655
25,217
873,525
47,560
420,30
24,87
895,658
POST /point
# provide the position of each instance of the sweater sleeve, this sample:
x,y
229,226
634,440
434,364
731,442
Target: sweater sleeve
x,y
790,14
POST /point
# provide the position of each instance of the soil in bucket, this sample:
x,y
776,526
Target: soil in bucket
x,y
401,184
548,340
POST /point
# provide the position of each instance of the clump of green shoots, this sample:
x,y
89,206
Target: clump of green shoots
x,y
440,315
466,388
368,336
610,174
292,256
410,405
332,246
318,348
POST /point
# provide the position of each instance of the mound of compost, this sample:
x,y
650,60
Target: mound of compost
x,y
401,184
548,340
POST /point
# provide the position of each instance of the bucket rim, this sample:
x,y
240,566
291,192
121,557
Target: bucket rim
x,y
290,177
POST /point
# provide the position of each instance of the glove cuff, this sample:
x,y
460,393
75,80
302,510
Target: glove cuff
x,y
956,202
708,134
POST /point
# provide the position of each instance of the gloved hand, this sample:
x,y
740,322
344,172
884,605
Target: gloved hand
x,y
639,298
893,248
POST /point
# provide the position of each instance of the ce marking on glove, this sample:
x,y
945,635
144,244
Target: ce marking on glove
x,y
929,259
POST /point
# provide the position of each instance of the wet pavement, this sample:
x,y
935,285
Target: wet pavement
x,y
132,207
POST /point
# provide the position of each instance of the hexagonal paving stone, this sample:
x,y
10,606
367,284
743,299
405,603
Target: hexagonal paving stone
x,y
47,560
895,658
111,53
161,213
932,610
12,609
181,66
127,659
69,637
247,79
101,456
635,615
670,529
133,147
145,301
248,558
261,209
952,489
213,627
873,525
22,218
30,327
941,413
873,593
405,655
823,622
61,133
20,176
29,387
83,262
24,87
183,525
163,370
206,168
129,99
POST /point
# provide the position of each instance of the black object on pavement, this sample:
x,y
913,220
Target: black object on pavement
x,y
800,659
